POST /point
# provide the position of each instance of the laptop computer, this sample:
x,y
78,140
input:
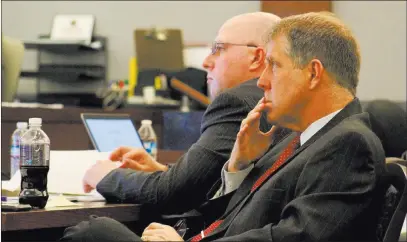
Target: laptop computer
x,y
109,131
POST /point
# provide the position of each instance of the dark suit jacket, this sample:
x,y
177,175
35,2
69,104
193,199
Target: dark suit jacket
x,y
327,190
186,184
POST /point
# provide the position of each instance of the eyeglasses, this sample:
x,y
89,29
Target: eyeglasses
x,y
216,46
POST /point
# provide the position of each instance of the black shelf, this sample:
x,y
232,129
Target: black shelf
x,y
66,47
79,65
67,73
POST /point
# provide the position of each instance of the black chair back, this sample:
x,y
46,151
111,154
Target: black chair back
x,y
394,207
389,123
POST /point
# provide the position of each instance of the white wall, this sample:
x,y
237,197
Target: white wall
x,y
380,28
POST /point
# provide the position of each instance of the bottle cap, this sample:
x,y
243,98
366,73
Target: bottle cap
x,y
146,121
35,121
22,125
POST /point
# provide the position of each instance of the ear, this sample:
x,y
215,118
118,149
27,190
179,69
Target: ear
x,y
257,59
315,70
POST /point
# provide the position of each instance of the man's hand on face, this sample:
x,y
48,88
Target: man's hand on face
x,y
96,173
160,232
136,159
250,143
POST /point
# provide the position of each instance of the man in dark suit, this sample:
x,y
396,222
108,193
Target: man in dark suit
x,y
237,58
322,182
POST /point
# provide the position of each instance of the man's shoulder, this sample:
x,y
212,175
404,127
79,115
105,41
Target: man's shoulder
x,y
357,123
248,88
357,128
247,92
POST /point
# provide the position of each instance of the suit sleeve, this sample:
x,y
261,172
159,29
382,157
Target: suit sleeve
x,y
334,190
186,184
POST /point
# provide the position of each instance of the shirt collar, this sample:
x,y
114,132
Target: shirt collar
x,y
316,126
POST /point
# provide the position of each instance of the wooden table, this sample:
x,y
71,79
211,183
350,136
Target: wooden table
x,y
67,216
49,223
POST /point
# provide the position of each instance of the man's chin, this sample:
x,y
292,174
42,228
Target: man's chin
x,y
282,121
271,117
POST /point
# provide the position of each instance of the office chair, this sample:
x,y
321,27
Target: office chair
x,y
394,207
12,58
389,122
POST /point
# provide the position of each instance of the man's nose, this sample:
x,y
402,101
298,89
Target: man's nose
x,y
262,82
208,62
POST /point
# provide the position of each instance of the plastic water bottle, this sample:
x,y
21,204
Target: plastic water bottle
x,y
34,166
148,137
15,147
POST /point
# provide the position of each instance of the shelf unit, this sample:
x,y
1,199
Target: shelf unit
x,y
68,72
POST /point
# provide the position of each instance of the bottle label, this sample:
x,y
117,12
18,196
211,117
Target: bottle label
x,y
34,155
15,151
151,148
14,159
15,146
15,141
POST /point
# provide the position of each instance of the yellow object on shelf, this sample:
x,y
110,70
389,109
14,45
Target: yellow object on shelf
x,y
132,75
157,83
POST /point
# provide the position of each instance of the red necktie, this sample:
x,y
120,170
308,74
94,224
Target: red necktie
x,y
288,151
207,231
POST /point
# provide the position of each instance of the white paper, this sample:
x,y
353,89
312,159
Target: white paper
x,y
73,27
67,169
12,186
59,201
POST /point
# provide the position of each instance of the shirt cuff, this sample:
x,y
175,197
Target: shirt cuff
x,y
231,180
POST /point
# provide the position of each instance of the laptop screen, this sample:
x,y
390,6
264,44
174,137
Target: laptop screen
x,y
109,133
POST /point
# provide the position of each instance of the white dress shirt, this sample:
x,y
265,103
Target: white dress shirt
x,y
232,180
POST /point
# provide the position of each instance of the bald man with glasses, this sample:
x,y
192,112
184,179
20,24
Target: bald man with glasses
x,y
236,61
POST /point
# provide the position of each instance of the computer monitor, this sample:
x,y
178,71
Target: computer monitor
x,y
109,131
12,57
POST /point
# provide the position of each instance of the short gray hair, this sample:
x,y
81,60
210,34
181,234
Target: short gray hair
x,y
324,37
